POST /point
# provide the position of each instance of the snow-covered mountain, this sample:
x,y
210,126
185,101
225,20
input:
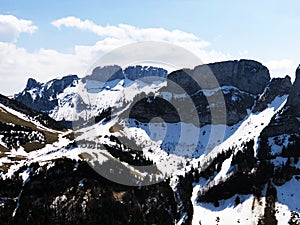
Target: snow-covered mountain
x,y
216,153
44,97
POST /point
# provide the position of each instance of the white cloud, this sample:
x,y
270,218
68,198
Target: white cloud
x,y
281,67
17,64
116,36
11,27
130,33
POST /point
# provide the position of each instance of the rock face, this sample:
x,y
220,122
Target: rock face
x,y
43,97
32,83
277,87
230,108
286,120
233,87
106,73
136,72
110,73
247,75
294,98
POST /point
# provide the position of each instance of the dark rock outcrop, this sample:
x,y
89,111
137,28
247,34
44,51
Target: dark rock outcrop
x,y
234,85
110,73
286,120
247,75
137,72
294,98
230,108
43,97
106,73
277,87
32,83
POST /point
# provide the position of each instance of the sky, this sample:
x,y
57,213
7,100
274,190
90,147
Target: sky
x,y
49,39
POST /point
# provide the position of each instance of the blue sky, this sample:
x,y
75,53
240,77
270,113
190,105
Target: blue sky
x,y
47,39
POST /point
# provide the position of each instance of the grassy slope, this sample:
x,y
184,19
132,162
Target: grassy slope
x,y
51,137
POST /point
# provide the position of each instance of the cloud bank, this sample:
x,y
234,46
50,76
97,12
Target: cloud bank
x,y
18,64
128,32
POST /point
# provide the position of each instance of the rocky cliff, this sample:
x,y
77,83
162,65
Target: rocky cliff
x,y
44,97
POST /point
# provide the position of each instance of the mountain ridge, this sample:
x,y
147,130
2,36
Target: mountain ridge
x,y
247,175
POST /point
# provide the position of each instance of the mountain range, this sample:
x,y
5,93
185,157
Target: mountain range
x,y
216,144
